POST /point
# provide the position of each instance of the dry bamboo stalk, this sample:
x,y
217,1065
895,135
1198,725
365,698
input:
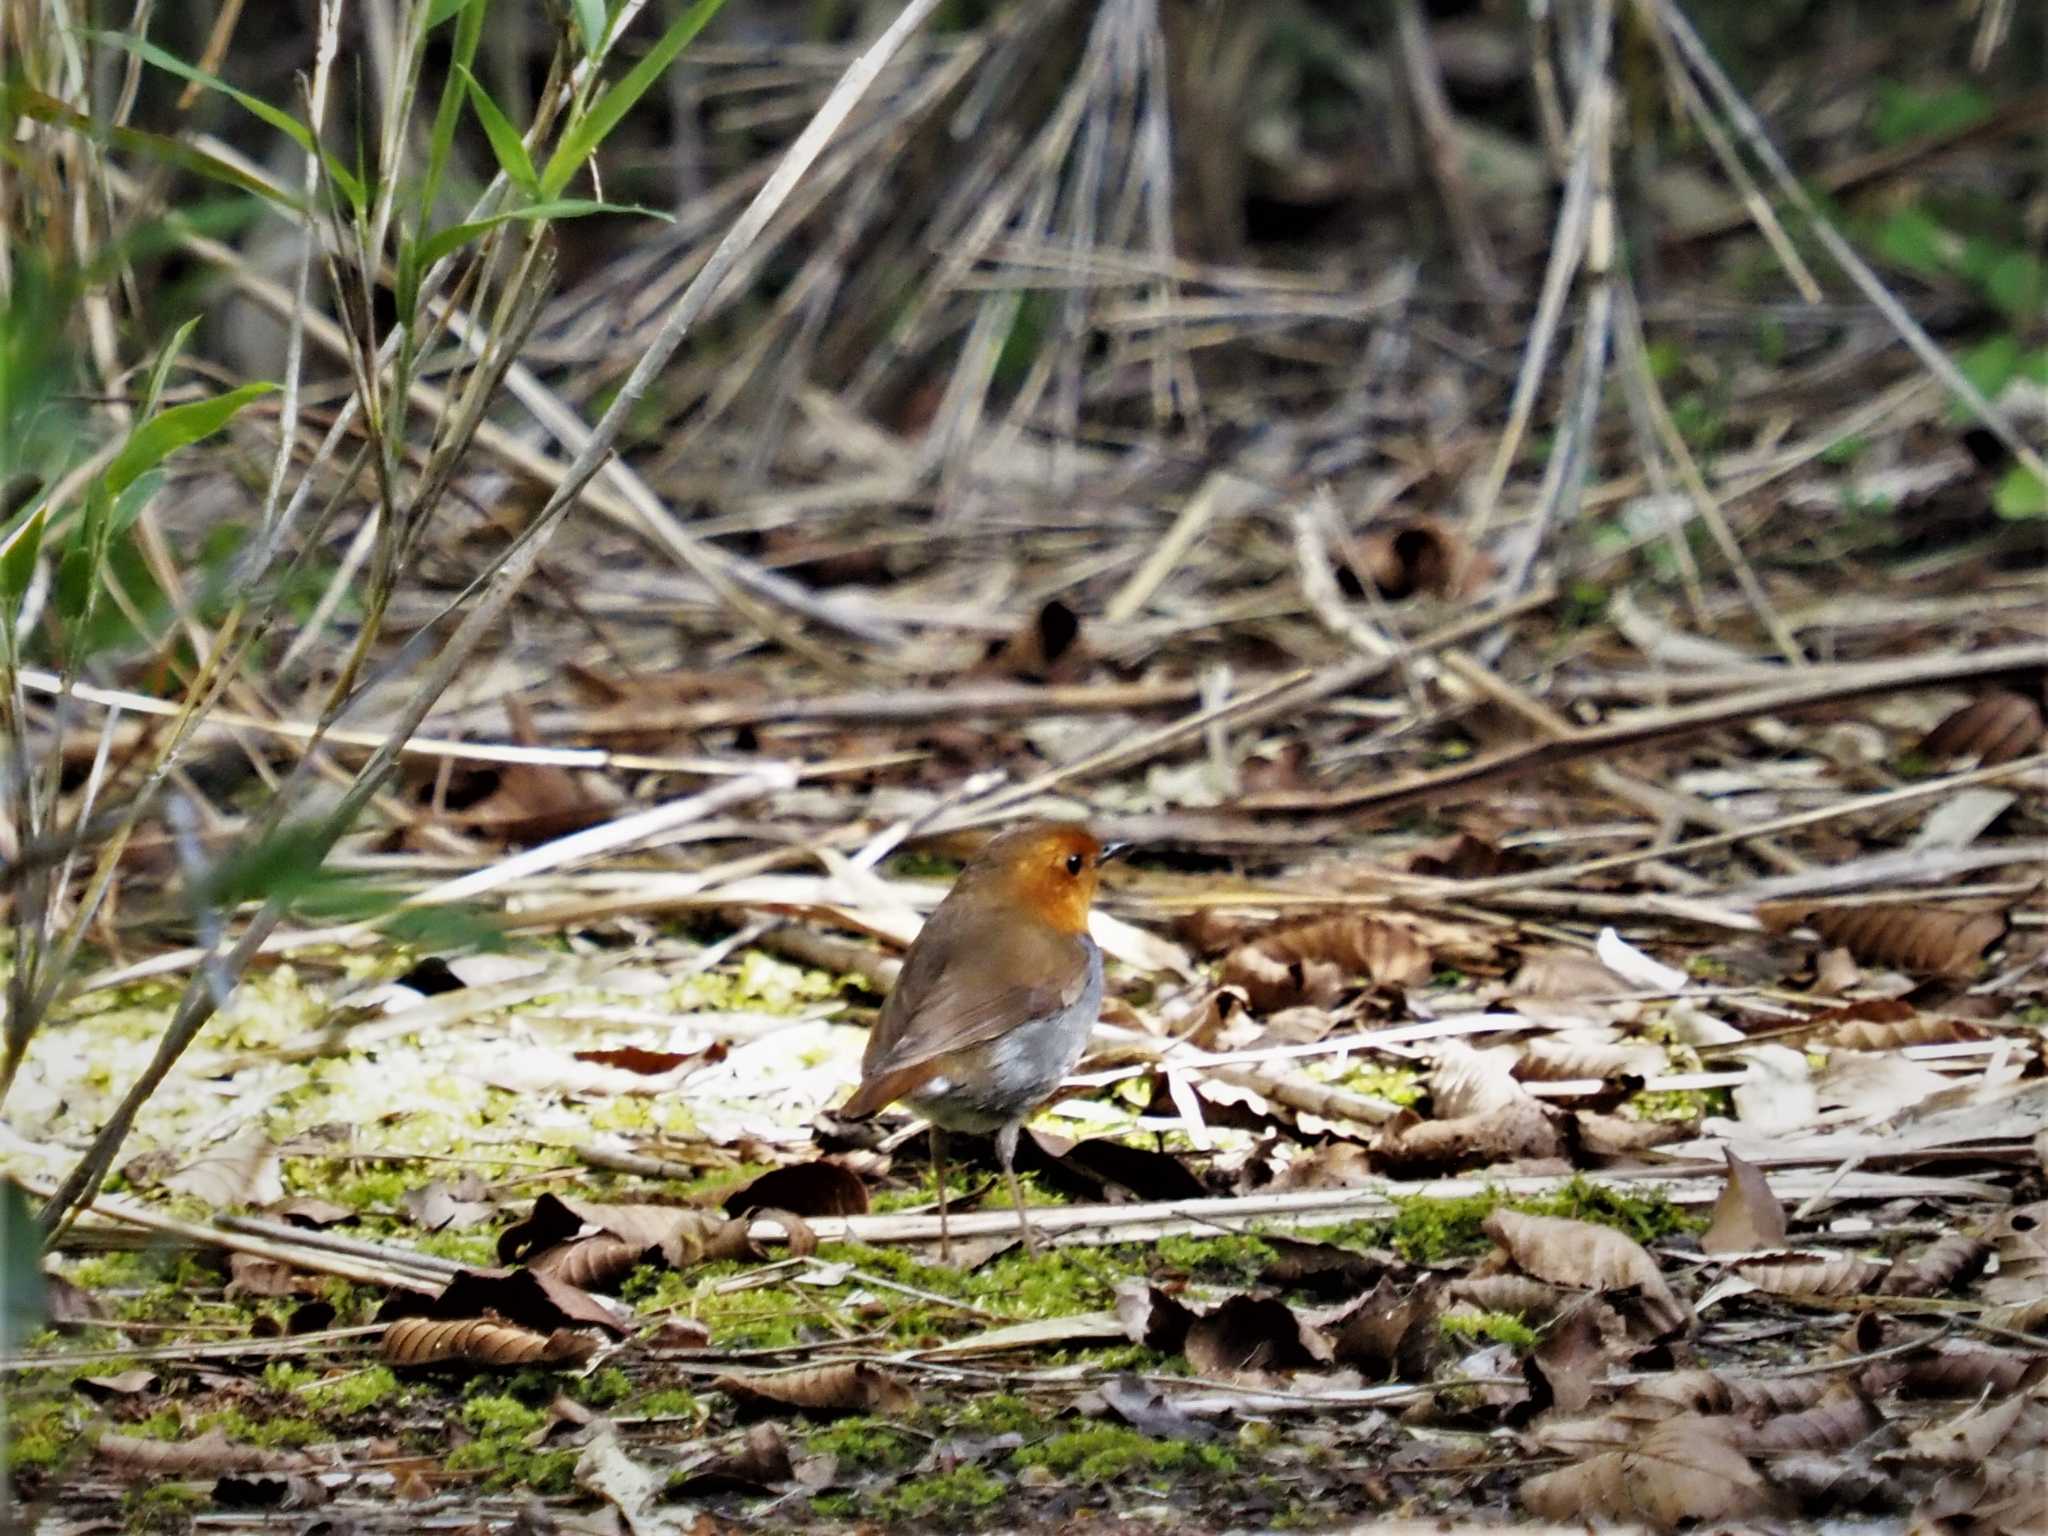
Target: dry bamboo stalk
x,y
1685,1184
296,1253
1658,726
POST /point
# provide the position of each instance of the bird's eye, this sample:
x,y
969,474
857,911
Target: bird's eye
x,y
1074,862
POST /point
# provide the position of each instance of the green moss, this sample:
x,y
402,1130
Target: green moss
x,y
508,1463
354,1392
1397,1085
501,1414
164,1506
262,1429
1501,1327
866,1442
164,1424
1684,1105
1426,1231
601,1389
1000,1413
835,1506
962,1491
505,1425
1122,1357
39,1432
1094,1454
1646,1215
669,1403
478,1248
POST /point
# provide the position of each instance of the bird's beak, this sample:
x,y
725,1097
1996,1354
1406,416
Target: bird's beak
x,y
1112,851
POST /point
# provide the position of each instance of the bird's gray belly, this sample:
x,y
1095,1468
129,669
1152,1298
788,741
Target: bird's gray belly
x,y
1018,1070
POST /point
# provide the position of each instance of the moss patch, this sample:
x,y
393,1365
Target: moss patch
x,y
953,1494
1101,1453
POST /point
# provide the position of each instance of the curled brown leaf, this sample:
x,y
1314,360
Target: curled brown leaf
x,y
209,1455
1684,1469
1315,962
1411,1146
1938,941
1953,1259
485,1341
1842,1275
1897,1034
1841,1419
1420,554
1585,1254
1997,728
844,1386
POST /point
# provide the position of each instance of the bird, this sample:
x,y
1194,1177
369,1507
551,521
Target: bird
x,y
996,998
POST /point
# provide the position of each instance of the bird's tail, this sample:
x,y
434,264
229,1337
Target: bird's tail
x,y
884,1089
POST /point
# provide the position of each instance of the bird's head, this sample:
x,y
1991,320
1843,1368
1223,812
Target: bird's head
x,y
1048,870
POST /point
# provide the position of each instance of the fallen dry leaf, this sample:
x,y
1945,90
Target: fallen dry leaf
x,y
1577,1352
1997,728
1585,1254
481,1341
209,1455
1419,554
1821,1275
1843,1418
531,1298
1252,1336
1390,1332
1747,1216
678,1235
1683,1469
1557,1058
1316,962
817,1188
1939,941
243,1172
1410,1146
1564,974
1954,1259
2021,1238
848,1386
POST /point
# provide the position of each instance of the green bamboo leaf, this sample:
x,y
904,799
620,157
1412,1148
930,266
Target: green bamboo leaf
x,y
591,21
579,142
506,144
160,370
179,427
18,551
448,114
78,566
444,242
441,10
277,117
22,1301
129,504
23,101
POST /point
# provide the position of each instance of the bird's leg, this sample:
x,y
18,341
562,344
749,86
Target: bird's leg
x,y
939,1183
1006,1150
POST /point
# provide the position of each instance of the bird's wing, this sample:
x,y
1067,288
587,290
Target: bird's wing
x,y
937,1008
